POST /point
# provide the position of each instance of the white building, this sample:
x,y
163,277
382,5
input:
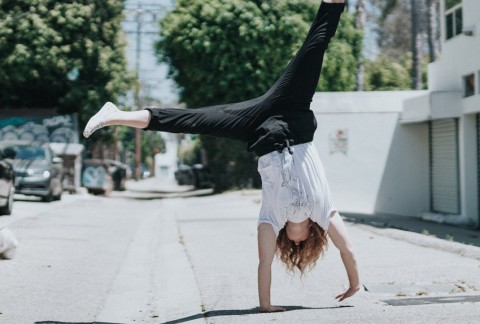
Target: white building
x,y
373,163
451,110
412,153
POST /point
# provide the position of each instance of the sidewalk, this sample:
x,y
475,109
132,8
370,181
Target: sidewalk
x,y
154,188
417,225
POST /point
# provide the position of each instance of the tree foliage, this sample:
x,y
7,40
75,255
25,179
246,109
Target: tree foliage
x,y
403,27
233,50
67,55
340,63
384,74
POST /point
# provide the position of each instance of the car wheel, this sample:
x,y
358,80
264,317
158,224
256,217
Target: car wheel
x,y
47,198
58,197
7,209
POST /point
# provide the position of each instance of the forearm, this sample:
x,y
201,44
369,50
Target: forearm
x,y
350,263
264,284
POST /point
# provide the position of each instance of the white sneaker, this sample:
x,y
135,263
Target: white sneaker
x,y
98,120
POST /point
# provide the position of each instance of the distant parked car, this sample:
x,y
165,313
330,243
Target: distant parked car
x,y
184,175
96,177
7,182
119,172
38,172
197,175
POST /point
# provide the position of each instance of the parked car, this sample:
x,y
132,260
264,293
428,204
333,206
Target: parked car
x,y
38,172
120,173
96,177
7,182
197,175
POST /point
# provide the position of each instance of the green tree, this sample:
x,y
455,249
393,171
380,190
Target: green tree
x,y
383,74
409,28
233,50
67,55
340,62
152,144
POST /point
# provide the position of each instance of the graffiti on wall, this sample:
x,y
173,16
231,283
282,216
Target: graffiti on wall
x,y
50,129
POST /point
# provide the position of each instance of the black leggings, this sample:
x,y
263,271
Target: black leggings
x,y
293,91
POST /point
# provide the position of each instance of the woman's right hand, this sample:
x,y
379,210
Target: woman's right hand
x,y
348,293
271,309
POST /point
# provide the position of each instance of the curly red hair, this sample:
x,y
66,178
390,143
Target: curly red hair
x,y
304,256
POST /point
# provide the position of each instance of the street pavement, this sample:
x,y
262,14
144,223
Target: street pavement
x,y
128,259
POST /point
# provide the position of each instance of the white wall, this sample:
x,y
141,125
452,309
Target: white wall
x,y
385,166
459,55
468,170
459,58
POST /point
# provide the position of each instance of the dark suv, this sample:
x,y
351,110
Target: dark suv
x,y
7,182
37,171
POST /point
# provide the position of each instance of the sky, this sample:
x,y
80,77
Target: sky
x,y
153,76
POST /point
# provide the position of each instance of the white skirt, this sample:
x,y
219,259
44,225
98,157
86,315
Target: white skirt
x,y
294,188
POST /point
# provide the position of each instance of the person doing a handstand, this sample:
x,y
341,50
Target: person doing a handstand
x,y
297,210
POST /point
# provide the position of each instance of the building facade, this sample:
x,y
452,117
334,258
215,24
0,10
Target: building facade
x,y
451,111
412,153
374,164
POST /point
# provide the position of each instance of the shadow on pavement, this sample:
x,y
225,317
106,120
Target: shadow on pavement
x,y
55,322
239,312
417,225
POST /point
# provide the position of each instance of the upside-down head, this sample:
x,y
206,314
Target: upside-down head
x,y
301,249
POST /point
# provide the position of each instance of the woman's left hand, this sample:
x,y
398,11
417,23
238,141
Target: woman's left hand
x,y
348,293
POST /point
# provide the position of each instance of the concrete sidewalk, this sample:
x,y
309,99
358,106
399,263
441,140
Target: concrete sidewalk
x,y
154,188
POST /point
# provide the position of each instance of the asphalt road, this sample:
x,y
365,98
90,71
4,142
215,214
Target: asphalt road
x,y
193,260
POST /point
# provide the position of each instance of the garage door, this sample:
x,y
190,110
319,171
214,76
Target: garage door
x,y
478,163
444,174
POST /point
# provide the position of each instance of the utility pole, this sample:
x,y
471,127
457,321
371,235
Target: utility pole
x,y
139,10
360,25
416,45
138,132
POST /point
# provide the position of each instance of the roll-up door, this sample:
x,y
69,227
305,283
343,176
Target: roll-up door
x,y
444,175
478,163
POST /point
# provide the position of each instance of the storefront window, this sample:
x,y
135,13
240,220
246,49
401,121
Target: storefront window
x,y
451,3
453,18
469,85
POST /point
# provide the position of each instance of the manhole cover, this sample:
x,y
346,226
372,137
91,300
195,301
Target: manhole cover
x,y
419,289
432,300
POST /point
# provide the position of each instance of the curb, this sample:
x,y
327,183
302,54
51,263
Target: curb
x,y
422,240
151,195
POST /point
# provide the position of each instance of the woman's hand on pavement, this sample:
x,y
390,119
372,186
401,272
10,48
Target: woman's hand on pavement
x,y
348,293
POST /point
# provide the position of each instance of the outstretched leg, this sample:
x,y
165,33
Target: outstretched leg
x,y
292,92
110,115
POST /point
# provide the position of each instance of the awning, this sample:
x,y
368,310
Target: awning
x,y
431,106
